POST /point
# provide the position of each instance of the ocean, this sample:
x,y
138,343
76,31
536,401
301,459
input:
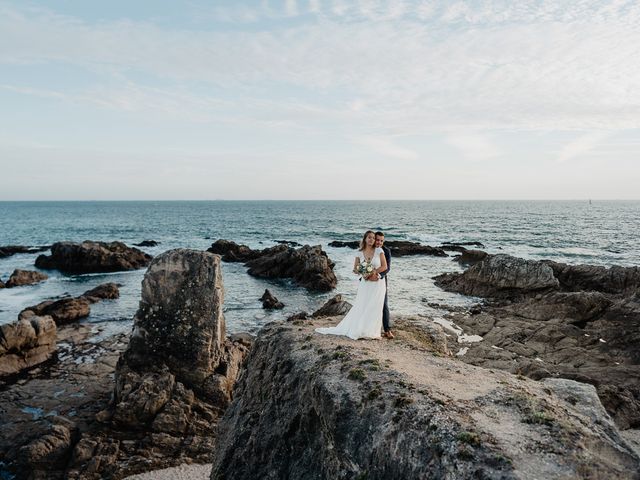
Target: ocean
x,y
576,232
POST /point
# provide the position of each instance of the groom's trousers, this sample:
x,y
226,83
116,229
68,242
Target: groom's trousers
x,y
386,320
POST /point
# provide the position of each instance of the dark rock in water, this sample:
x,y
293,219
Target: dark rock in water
x,y
335,306
471,257
331,409
8,250
398,248
309,267
463,244
93,257
147,243
289,243
270,302
25,277
232,252
65,310
105,291
2,284
29,341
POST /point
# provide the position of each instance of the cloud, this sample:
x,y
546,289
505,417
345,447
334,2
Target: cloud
x,y
582,146
473,146
386,148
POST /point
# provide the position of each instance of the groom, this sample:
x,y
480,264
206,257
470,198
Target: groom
x,y
385,309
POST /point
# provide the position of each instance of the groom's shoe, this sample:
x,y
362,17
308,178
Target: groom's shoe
x,y
389,334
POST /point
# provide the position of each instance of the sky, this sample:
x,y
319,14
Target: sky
x,y
319,99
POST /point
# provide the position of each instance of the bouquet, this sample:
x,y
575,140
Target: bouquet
x,y
365,269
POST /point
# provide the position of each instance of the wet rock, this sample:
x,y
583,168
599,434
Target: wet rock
x,y
398,248
233,252
615,279
63,311
25,343
500,276
471,257
2,284
105,291
334,306
48,452
270,302
296,317
147,243
289,243
8,250
93,257
25,277
309,267
335,409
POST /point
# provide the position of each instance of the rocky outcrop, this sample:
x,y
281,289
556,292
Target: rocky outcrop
x,y
546,319
105,291
337,408
9,250
25,277
470,257
270,302
93,257
63,311
309,267
398,248
334,306
147,243
25,343
174,379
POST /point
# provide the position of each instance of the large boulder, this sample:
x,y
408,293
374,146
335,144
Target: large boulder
x,y
309,267
334,306
93,257
270,302
233,252
615,279
178,341
500,276
313,406
26,342
105,291
25,277
63,311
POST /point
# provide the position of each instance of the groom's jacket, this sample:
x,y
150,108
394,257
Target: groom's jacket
x,y
387,255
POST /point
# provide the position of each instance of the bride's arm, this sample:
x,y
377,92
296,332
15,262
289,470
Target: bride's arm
x,y
355,265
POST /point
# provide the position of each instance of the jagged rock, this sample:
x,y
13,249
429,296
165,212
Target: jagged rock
x,y
289,243
398,248
49,452
297,317
93,257
8,250
25,277
334,306
471,257
147,243
615,279
309,267
270,302
232,252
463,244
25,343
65,310
332,409
500,276
2,284
105,291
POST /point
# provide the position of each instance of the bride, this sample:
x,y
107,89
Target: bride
x,y
364,320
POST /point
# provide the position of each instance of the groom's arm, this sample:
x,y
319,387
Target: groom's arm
x,y
387,256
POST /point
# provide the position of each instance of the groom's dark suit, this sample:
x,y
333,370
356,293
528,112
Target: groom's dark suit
x,y
386,321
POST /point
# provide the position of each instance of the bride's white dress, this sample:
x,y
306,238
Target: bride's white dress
x,y
364,320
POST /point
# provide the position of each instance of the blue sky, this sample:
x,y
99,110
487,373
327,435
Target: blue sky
x,y
320,99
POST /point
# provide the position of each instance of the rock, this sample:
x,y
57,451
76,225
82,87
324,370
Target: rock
x,y
463,244
616,279
309,267
288,242
63,311
2,284
332,409
25,277
500,276
335,306
147,243
105,291
243,338
25,343
8,250
232,252
270,302
471,257
398,248
178,339
296,317
93,257
49,452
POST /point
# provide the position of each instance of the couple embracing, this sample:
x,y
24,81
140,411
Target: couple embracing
x,y
370,312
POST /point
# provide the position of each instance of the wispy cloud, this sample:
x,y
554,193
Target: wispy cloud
x,y
386,147
582,145
473,146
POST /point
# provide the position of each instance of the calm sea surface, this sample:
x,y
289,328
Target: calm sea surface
x,y
602,233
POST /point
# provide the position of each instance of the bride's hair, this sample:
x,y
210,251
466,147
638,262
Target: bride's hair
x,y
363,242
